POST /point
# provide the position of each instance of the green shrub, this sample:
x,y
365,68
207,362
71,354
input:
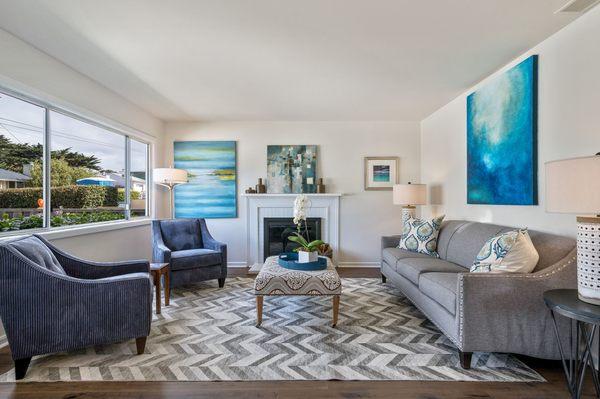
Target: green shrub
x,y
66,219
133,194
76,197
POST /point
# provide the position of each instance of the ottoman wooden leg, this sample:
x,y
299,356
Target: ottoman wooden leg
x,y
336,309
259,307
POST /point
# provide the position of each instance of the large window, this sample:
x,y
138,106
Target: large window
x,y
22,127
89,173
139,178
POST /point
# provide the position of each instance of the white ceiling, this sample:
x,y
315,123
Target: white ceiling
x,y
285,59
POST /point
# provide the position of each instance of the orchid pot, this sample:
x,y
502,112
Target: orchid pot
x,y
306,257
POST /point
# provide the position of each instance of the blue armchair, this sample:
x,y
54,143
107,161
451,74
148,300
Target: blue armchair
x,y
192,253
53,302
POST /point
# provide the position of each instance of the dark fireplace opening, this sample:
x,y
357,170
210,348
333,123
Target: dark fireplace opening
x,y
277,231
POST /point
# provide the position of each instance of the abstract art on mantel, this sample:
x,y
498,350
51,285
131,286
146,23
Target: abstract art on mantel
x,y
212,187
502,139
291,169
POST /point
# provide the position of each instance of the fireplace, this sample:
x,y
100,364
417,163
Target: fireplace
x,y
277,231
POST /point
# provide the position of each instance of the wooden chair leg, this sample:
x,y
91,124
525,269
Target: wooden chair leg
x,y
157,290
221,282
167,289
140,344
259,309
21,366
465,359
336,309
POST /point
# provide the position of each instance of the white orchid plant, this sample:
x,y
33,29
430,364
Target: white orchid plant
x,y
301,204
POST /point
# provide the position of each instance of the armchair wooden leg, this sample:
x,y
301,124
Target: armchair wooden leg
x,y
259,310
221,282
140,344
465,359
21,366
383,278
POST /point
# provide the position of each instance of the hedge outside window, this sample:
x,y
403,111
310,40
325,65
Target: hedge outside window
x,y
22,128
88,169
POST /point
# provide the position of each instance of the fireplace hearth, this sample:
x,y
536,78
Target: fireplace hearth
x,y
277,231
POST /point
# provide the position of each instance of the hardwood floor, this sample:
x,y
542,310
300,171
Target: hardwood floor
x,y
551,370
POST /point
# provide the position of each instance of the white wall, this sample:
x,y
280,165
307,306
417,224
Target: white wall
x,y
365,215
568,126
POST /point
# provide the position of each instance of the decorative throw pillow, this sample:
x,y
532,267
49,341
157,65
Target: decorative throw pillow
x,y
420,235
510,252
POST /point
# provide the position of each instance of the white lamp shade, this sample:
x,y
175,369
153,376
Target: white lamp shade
x,y
169,176
573,185
410,194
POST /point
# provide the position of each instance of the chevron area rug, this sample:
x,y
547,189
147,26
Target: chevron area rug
x,y
209,334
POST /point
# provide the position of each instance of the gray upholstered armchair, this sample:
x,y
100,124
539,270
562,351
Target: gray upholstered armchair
x,y
192,253
53,302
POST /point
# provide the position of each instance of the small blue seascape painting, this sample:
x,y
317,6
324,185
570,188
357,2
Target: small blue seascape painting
x,y
212,188
381,173
502,139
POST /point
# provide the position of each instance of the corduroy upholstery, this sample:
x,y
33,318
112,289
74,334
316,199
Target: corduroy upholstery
x,y
45,311
481,311
191,252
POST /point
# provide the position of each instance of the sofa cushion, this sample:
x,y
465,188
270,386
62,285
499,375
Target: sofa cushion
x,y
181,234
36,251
420,235
193,258
392,255
467,241
510,252
411,268
441,287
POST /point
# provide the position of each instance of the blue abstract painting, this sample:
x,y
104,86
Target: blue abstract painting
x,y
291,169
502,139
212,187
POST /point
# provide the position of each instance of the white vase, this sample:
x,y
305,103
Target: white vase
x,y
305,257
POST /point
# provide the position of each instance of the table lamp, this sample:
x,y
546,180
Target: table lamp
x,y
409,195
573,186
169,178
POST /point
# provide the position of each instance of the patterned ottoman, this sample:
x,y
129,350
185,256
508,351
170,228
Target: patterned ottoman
x,y
276,280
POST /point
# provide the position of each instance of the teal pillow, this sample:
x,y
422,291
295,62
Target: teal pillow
x,y
420,235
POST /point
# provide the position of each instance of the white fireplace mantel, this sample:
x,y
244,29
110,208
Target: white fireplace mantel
x,y
259,206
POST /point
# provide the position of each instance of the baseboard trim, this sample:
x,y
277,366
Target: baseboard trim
x,y
237,265
359,264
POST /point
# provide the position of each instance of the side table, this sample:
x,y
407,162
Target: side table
x,y
585,319
158,270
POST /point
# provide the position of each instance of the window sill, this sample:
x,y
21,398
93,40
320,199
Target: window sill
x,y
72,231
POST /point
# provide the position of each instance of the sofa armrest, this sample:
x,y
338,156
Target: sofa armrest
x,y
390,241
210,243
507,313
160,252
85,269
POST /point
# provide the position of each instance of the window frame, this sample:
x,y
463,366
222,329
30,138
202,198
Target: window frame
x,y
49,107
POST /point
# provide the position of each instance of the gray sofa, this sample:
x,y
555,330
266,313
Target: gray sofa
x,y
482,312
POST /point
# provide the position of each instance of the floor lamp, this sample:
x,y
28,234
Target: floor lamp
x,y
169,178
573,186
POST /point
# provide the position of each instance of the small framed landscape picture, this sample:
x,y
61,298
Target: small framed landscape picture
x,y
381,173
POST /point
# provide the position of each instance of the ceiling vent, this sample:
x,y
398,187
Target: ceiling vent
x,y
577,6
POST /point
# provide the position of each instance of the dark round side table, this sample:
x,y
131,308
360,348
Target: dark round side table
x,y
585,319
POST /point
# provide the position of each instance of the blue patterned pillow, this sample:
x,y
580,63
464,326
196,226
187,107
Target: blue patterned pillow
x,y
509,252
420,235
